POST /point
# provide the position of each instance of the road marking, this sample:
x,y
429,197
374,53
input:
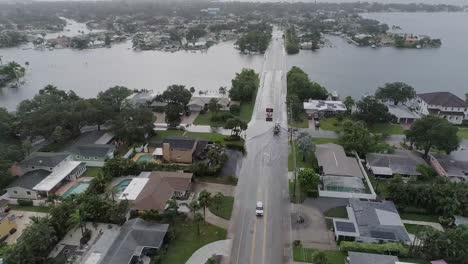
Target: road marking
x,y
240,240
252,252
265,222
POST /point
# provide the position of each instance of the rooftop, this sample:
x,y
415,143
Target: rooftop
x,y
401,162
402,111
332,158
29,179
45,159
443,99
453,167
94,150
367,258
321,105
133,189
57,176
135,235
181,142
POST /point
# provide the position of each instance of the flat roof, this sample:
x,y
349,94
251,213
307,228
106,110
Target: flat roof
x,y
104,139
133,189
59,173
332,158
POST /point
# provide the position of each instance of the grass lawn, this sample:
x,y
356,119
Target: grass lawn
x,y
330,124
230,180
306,254
246,110
215,137
333,124
319,141
338,212
92,171
309,162
304,123
414,229
416,261
224,209
463,132
205,119
38,209
419,217
245,115
187,241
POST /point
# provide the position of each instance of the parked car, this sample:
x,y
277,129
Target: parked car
x,y
259,209
316,116
317,124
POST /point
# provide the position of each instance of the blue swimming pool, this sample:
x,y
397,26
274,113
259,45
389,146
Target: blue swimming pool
x,y
77,188
122,185
145,158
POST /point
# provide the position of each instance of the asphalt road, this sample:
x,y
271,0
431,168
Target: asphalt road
x,y
263,175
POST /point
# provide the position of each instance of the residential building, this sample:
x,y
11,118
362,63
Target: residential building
x,y
460,220
453,166
22,186
7,223
142,98
403,114
42,161
323,107
182,149
200,101
153,192
402,162
371,221
340,175
443,104
94,155
137,238
367,258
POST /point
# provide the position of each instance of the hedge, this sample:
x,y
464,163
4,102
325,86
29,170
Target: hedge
x,y
384,248
24,202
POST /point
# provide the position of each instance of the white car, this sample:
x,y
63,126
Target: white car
x,y
259,209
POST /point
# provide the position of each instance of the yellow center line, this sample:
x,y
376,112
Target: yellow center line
x,y
252,252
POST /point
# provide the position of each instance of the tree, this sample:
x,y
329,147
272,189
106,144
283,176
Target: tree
x,y
177,97
214,106
114,97
295,106
172,209
236,125
298,83
397,92
371,111
254,41
466,97
305,145
355,136
349,103
433,132
192,89
204,199
427,172
217,199
173,114
198,218
133,124
194,206
118,166
309,181
320,258
244,86
222,90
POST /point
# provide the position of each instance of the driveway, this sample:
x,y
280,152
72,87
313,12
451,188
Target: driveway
x,y
189,119
323,204
23,220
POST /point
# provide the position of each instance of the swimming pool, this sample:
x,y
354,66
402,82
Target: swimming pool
x,y
77,188
145,158
122,185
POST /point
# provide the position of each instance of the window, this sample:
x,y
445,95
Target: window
x,y
96,158
78,157
28,193
15,192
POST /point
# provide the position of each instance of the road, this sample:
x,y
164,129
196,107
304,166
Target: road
x,y
263,176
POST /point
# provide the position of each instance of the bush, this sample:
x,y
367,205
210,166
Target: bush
x,y
221,117
232,138
384,248
86,237
232,180
235,146
296,243
24,202
159,109
234,109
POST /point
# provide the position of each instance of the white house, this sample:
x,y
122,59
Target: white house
x,y
324,107
443,104
199,101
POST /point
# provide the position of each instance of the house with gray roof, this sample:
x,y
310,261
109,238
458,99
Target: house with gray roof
x,y
43,161
94,155
443,104
367,258
371,221
403,114
453,166
136,239
22,186
341,175
200,101
402,162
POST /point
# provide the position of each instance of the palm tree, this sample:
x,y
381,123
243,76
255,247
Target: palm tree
x,y
204,199
77,219
217,199
198,218
194,206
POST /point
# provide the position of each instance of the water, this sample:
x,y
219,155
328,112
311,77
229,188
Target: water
x,y
89,71
78,188
356,71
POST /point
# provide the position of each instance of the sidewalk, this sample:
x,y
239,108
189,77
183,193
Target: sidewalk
x,y
432,224
221,247
216,220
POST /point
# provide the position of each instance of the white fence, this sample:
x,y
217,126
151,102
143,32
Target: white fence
x,y
346,195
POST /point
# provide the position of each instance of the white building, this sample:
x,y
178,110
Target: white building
x,y
324,107
443,104
199,101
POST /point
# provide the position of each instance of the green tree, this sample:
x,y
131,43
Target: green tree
x,y
214,106
309,181
292,41
192,89
397,92
371,111
204,199
349,103
298,83
217,199
198,218
244,86
134,124
295,106
254,41
427,172
355,136
113,98
305,145
236,125
194,206
177,97
118,166
433,132
320,258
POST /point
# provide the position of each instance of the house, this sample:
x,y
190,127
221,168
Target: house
x,y
94,155
453,166
142,98
367,258
182,149
42,173
402,162
371,221
137,238
403,114
324,107
153,192
340,175
443,104
200,101
7,223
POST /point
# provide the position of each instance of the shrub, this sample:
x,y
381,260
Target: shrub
x,y
296,243
384,248
232,138
159,109
86,237
235,146
234,109
24,202
232,180
221,117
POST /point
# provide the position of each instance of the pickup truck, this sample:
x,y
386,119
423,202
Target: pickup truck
x,y
269,114
276,129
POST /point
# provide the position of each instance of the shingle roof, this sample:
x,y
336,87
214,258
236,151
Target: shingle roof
x,y
135,235
367,258
93,150
180,142
443,99
46,159
401,162
378,219
29,179
334,161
